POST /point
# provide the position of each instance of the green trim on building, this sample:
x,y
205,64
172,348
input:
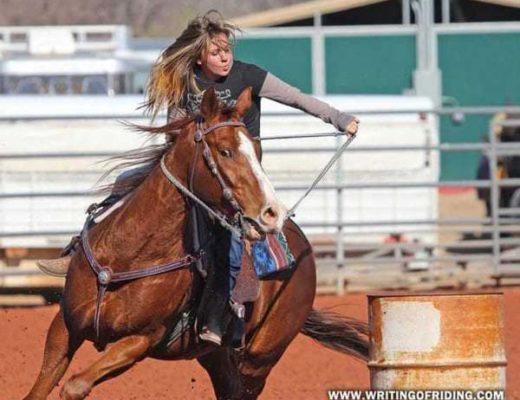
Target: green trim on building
x,y
481,69
288,58
477,70
369,64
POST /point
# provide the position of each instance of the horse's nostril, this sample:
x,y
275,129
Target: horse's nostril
x,y
269,215
272,213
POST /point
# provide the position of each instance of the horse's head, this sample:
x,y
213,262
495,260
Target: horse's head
x,y
222,157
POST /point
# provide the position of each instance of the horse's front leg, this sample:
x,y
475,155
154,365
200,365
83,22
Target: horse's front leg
x,y
59,350
223,371
117,358
234,378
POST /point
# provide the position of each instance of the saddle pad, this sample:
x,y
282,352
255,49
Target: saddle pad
x,y
272,255
247,287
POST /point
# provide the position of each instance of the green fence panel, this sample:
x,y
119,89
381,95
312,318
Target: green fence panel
x,y
462,165
477,69
369,64
288,58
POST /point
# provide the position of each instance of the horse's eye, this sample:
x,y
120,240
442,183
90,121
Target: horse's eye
x,y
226,153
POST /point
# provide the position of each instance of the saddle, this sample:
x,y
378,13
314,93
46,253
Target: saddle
x,y
247,288
261,260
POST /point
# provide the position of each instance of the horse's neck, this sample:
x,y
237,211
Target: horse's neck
x,y
149,227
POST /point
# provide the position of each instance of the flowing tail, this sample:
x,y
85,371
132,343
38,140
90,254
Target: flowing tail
x,y
338,333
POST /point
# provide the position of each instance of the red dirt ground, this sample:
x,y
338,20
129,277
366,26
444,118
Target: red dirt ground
x,y
306,371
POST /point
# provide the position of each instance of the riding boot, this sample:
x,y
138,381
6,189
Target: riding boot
x,y
59,266
215,315
55,266
215,312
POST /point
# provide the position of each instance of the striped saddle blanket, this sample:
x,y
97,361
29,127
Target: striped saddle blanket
x,y
271,255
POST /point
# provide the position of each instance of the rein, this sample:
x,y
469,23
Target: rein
x,y
188,193
106,276
322,173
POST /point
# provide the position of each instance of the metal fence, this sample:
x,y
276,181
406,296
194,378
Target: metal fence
x,y
491,242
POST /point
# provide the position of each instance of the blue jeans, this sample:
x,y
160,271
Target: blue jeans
x,y
236,249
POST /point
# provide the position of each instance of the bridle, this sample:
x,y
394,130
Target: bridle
x,y
239,224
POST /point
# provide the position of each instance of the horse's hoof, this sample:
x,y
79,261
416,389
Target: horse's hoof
x,y
75,389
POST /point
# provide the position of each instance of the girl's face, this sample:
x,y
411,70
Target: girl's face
x,y
217,60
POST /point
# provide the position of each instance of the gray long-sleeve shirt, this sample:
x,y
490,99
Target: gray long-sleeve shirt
x,y
277,90
263,84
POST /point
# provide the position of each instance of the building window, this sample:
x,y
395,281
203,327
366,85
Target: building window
x,y
32,85
60,85
94,85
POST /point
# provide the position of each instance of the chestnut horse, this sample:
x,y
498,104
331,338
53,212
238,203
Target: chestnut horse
x,y
148,229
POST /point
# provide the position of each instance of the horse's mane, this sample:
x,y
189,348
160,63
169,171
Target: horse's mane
x,y
145,158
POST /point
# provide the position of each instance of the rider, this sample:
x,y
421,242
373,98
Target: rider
x,y
200,58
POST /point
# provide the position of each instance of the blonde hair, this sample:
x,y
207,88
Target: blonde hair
x,y
173,75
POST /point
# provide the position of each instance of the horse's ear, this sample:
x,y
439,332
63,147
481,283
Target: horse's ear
x,y
244,101
209,106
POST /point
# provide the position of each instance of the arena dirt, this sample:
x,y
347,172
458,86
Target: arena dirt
x,y
306,370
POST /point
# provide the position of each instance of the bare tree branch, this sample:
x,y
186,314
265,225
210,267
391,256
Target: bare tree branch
x,y
146,17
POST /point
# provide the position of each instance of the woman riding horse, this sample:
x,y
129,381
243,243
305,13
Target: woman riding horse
x,y
199,59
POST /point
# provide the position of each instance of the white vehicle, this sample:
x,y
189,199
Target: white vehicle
x,y
70,60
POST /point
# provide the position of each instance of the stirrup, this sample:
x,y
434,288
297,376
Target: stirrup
x,y
238,339
210,336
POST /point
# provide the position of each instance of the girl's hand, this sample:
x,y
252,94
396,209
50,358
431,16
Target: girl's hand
x,y
352,127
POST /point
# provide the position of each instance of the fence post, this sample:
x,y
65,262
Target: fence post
x,y
318,57
494,197
340,259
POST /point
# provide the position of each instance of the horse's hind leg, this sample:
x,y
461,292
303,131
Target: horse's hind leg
x,y
59,349
117,358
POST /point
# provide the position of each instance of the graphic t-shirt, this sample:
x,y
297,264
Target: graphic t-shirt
x,y
228,89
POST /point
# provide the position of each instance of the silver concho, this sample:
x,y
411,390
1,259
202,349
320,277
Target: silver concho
x,y
228,194
104,276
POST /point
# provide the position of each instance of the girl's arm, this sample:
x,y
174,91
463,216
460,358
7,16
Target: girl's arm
x,y
275,89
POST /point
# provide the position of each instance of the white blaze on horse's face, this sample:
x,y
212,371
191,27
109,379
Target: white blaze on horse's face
x,y
273,212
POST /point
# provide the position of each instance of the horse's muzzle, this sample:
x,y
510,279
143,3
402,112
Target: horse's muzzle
x,y
272,217
270,220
